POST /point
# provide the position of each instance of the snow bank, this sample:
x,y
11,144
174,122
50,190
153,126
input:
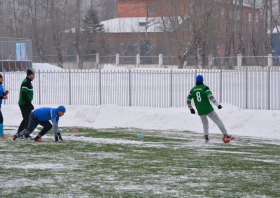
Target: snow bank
x,y
255,123
112,67
45,67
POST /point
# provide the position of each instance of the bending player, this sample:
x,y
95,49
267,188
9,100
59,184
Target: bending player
x,y
42,116
201,95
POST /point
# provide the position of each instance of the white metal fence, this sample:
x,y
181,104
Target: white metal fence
x,y
249,88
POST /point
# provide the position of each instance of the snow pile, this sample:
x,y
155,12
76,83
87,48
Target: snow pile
x,y
112,67
254,123
45,67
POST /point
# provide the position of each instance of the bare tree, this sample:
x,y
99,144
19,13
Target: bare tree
x,y
39,14
59,17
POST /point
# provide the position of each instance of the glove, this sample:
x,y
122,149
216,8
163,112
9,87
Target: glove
x,y
56,139
220,106
59,136
31,107
192,111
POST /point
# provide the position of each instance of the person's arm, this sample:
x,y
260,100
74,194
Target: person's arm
x,y
189,102
24,89
212,98
55,127
56,131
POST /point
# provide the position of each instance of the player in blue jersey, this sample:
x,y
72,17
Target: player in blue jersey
x,y
3,95
42,116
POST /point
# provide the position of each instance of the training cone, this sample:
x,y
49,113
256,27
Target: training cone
x,y
75,131
141,136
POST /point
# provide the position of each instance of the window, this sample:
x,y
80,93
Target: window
x,y
249,17
222,13
191,8
238,15
143,24
152,9
257,17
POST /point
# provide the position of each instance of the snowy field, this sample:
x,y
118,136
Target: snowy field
x,y
116,163
241,122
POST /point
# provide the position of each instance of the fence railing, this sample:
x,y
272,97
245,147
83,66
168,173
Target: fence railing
x,y
209,62
248,88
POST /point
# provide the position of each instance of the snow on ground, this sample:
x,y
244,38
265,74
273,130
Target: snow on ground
x,y
241,122
254,123
45,67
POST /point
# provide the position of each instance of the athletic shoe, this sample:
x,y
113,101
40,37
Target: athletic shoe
x,y
13,138
4,137
38,140
227,138
206,138
28,137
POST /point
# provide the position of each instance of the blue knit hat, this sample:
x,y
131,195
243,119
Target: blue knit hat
x,y
199,78
61,109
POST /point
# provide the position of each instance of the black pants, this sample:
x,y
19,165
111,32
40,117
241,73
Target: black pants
x,y
33,123
25,111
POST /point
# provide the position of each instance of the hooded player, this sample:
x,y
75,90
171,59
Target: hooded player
x,y
201,95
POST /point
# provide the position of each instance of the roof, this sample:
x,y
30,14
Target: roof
x,y
135,24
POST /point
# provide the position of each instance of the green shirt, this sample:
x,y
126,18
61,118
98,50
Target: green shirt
x,y
200,96
27,87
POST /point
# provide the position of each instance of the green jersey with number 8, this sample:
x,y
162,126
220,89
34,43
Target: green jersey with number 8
x,y
200,95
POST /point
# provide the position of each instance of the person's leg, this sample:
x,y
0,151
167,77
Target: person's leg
x,y
33,123
47,126
215,118
204,121
25,111
1,125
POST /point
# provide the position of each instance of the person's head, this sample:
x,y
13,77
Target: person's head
x,y
61,110
199,78
30,74
1,79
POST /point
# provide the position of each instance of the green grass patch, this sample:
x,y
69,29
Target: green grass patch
x,y
116,163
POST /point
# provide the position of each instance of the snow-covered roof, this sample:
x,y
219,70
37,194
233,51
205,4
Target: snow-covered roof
x,y
135,24
274,30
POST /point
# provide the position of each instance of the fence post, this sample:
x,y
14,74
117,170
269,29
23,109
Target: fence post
x,y
100,102
78,59
221,85
269,61
117,59
97,61
171,88
210,62
70,87
160,61
195,75
185,64
239,61
39,87
138,60
129,75
246,90
268,88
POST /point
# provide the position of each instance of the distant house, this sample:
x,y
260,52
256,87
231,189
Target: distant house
x,y
138,29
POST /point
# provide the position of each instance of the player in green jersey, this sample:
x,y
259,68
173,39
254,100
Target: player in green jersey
x,y
201,95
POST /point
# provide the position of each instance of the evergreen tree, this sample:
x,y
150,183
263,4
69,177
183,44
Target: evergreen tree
x,y
91,27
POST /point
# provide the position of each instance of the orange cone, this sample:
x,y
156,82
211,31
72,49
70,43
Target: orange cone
x,y
75,131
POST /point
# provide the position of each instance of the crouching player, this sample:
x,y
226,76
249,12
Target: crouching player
x,y
42,116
